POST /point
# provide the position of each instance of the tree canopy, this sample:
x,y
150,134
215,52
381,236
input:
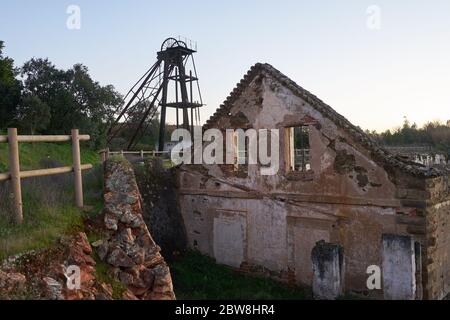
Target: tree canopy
x,y
434,134
49,100
33,114
74,100
10,89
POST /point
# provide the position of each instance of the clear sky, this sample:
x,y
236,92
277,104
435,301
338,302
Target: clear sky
x,y
372,68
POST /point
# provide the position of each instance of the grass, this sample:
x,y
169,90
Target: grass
x,y
197,277
32,154
48,202
40,230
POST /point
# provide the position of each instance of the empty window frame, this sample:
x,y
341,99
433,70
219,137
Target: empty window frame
x,y
299,149
241,144
241,150
245,150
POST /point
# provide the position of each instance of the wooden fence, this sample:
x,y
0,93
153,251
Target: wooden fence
x,y
14,174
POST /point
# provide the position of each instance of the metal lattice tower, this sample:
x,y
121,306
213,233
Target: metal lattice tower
x,y
165,85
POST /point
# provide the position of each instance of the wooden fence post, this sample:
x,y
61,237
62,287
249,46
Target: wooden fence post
x,y
103,155
14,170
77,168
142,154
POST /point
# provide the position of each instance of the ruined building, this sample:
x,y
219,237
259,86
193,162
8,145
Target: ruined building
x,y
334,184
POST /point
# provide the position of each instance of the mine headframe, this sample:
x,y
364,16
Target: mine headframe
x,y
167,84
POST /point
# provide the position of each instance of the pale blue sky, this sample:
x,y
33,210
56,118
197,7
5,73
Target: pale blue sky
x,y
372,77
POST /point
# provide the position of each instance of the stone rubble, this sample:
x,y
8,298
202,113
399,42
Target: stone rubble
x,y
43,274
11,282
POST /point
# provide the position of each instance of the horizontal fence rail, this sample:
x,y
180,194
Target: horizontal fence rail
x,y
138,152
44,172
154,153
59,138
15,175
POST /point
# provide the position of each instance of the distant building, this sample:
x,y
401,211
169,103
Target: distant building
x,y
422,154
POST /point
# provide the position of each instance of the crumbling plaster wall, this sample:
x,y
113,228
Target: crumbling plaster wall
x,y
341,167
347,198
437,261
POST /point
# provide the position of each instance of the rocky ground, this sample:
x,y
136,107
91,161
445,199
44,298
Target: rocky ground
x,y
42,274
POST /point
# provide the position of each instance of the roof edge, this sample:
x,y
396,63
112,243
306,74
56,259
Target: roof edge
x,y
378,152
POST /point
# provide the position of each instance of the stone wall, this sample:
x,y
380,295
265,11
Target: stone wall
x,y
160,206
242,230
128,246
437,258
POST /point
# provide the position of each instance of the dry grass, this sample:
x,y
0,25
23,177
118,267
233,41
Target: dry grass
x,y
49,210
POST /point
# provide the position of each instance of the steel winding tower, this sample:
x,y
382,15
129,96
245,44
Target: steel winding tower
x,y
166,79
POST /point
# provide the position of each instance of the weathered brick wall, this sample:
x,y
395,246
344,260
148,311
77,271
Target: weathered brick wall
x,y
354,193
437,262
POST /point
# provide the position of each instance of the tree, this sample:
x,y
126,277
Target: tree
x,y
434,134
73,98
10,90
33,115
